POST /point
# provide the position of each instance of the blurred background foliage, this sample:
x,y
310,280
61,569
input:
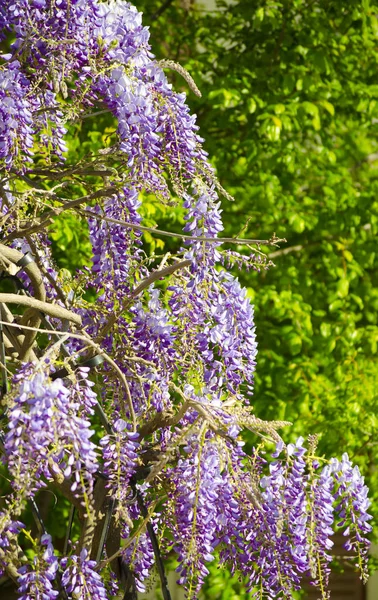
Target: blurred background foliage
x,y
289,113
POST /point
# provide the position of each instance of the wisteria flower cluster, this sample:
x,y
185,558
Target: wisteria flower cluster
x,y
126,387
38,581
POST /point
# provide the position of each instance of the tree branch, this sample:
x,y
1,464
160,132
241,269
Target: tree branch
x,y
161,10
53,310
31,270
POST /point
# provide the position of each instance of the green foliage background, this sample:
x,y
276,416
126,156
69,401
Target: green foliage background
x,y
290,116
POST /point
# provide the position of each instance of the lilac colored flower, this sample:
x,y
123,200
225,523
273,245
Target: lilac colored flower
x,y
319,536
297,505
197,482
80,579
16,123
352,507
273,555
222,325
85,396
115,249
181,145
9,528
119,25
135,108
119,451
154,337
140,557
37,583
46,435
52,24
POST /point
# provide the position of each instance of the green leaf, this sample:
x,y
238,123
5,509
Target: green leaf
x,y
325,329
342,287
295,344
298,224
331,345
328,106
288,84
251,103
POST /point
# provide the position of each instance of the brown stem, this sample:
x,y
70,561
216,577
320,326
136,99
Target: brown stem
x,y
31,270
53,310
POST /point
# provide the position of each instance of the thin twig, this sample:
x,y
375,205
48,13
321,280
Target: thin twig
x,y
54,175
273,241
129,541
159,274
55,212
285,251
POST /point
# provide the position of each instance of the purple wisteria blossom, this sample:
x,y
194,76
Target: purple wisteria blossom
x,y
320,542
37,582
119,451
352,508
133,105
9,531
141,559
46,436
80,579
115,249
154,338
119,26
223,325
197,483
16,123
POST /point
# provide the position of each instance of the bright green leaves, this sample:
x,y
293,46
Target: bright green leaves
x,y
70,238
328,106
271,126
342,287
225,98
297,222
313,111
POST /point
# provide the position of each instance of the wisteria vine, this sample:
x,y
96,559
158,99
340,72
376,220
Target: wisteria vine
x,y
126,388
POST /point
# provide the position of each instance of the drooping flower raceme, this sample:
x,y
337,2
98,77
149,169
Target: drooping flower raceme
x,y
119,453
80,579
47,438
37,583
16,122
352,499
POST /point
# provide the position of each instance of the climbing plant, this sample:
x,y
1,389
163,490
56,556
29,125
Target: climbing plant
x,y
127,385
